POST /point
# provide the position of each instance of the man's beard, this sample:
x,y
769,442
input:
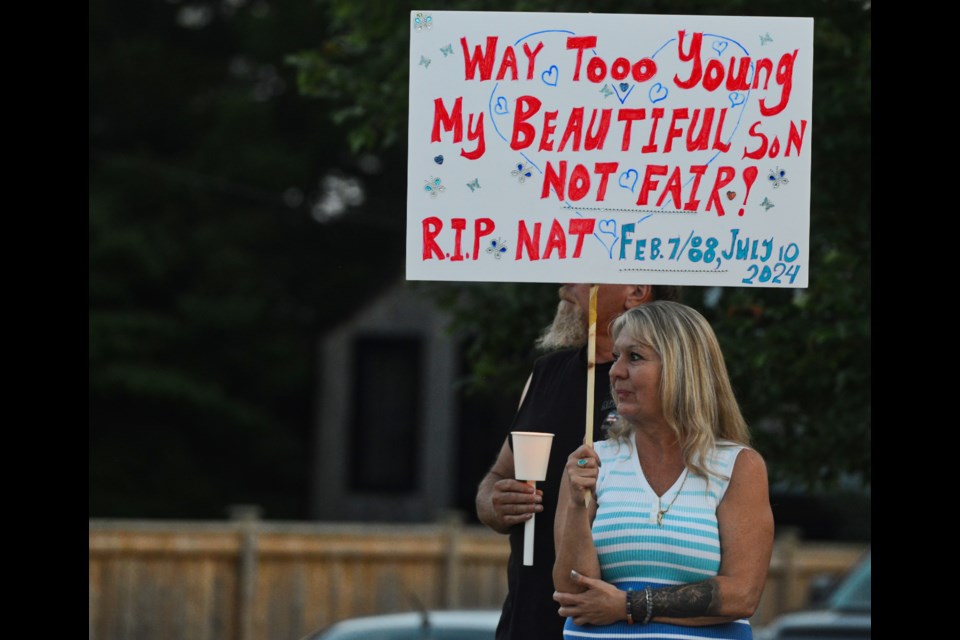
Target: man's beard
x,y
569,328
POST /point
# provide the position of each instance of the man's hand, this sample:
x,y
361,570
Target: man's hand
x,y
502,501
515,502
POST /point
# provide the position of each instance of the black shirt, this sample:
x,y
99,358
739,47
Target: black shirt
x,y
555,403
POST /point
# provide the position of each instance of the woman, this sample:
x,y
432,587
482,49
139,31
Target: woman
x,y
664,529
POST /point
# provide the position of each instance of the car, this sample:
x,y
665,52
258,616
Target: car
x,y
460,624
845,612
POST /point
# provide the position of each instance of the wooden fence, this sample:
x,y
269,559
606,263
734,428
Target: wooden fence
x,y
262,580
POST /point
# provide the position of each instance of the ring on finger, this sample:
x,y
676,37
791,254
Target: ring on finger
x,y
582,462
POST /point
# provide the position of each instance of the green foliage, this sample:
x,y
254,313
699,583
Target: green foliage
x,y
498,323
361,72
208,284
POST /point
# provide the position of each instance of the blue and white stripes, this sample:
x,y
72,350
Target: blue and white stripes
x,y
634,551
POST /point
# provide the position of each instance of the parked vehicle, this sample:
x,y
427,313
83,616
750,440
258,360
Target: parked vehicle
x,y
466,624
845,613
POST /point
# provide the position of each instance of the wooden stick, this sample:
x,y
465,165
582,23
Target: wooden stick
x,y
591,372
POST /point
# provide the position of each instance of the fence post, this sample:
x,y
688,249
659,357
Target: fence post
x,y
789,545
453,525
248,517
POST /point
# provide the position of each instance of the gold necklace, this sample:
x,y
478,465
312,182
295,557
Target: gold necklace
x,y
662,512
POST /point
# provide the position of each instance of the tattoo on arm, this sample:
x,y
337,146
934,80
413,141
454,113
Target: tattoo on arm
x,y
686,600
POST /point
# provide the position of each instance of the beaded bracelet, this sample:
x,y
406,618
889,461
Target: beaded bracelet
x,y
649,613
629,604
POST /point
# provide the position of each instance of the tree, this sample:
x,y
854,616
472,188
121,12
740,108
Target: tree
x,y
210,275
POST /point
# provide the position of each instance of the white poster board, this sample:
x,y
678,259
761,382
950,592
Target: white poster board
x,y
607,148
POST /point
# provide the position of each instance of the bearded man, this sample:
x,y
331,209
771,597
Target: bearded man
x,y
553,401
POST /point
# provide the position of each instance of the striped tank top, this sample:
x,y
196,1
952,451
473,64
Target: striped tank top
x,y
634,552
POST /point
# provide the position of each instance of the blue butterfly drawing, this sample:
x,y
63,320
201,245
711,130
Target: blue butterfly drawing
x,y
606,91
522,172
421,22
777,177
447,50
433,186
425,62
474,185
496,248
766,204
764,39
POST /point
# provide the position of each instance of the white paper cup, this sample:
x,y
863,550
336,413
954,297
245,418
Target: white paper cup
x,y
531,453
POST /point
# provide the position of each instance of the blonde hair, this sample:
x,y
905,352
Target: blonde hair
x,y
695,392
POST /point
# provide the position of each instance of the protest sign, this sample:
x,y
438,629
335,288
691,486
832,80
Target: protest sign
x,y
559,147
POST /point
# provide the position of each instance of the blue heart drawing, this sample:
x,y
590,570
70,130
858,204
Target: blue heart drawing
x,y
609,227
623,86
550,76
719,46
438,159
736,98
628,179
501,106
657,93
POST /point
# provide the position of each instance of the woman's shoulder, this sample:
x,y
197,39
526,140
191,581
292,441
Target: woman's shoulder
x,y
729,447
725,453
